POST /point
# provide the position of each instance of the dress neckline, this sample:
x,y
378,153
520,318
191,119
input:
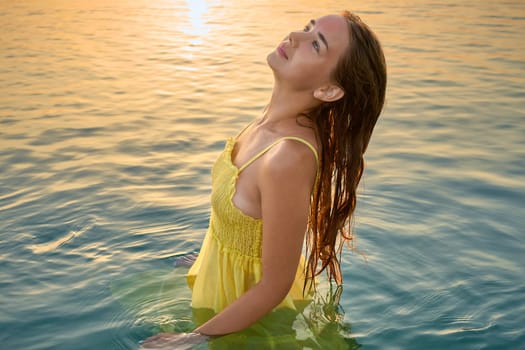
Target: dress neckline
x,y
230,143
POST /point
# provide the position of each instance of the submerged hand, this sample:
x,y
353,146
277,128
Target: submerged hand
x,y
185,260
173,341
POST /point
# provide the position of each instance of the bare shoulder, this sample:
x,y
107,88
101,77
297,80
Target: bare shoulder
x,y
291,160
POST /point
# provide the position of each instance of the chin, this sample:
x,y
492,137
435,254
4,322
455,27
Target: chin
x,y
273,62
270,59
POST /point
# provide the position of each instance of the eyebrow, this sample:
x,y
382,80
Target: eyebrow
x,y
321,36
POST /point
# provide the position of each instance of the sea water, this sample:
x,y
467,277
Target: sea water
x,y
112,113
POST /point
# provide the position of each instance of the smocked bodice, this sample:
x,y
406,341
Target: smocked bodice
x,y
235,230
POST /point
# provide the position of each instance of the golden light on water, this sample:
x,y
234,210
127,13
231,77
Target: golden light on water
x,y
196,12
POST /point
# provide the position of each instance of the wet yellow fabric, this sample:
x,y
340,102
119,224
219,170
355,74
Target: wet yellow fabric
x,y
229,262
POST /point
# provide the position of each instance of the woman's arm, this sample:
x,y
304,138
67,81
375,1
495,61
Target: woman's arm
x,y
285,181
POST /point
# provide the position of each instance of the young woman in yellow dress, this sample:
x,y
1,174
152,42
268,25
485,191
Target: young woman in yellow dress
x,y
288,178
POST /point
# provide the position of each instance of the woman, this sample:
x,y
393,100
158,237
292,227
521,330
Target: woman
x,y
293,171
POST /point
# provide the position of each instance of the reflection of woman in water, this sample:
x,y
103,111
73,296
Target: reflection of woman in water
x,y
294,170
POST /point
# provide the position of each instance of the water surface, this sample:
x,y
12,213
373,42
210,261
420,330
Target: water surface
x,y
111,114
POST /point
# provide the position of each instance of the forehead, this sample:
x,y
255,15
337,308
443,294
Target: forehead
x,y
334,28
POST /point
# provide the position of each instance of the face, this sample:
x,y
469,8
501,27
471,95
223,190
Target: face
x,y
306,58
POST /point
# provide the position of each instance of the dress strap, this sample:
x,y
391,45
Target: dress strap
x,y
244,129
267,148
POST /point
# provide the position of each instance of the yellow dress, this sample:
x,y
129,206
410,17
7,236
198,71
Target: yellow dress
x,y
229,262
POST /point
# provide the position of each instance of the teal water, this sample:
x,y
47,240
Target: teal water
x,y
111,114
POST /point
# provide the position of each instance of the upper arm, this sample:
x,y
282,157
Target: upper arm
x,y
285,184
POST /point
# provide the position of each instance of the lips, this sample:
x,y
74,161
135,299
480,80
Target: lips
x,y
281,52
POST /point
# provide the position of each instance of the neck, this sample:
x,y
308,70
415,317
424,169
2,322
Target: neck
x,y
286,104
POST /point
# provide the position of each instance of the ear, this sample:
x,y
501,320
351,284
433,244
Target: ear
x,y
329,93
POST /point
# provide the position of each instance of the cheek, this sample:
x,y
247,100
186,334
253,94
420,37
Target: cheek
x,y
313,70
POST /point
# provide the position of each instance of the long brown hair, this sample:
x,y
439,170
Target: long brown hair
x,y
344,128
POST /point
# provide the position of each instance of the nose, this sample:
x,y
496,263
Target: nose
x,y
296,37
